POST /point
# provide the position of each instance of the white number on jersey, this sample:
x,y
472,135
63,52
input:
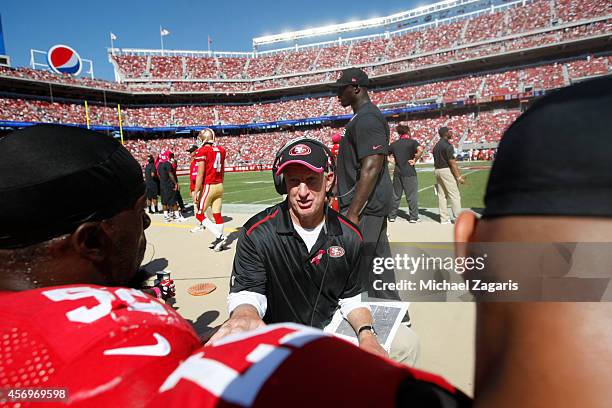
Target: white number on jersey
x,y
217,163
105,298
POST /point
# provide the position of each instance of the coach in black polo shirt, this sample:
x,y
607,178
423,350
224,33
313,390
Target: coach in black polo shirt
x,y
364,187
405,152
297,261
447,176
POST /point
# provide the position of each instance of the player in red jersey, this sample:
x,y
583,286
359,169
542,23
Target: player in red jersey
x,y
208,191
193,171
69,326
336,138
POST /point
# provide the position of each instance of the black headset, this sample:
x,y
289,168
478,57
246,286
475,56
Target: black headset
x,y
279,181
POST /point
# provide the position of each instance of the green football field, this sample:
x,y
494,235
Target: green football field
x,y
258,188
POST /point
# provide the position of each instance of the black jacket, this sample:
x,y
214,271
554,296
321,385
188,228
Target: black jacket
x,y
272,259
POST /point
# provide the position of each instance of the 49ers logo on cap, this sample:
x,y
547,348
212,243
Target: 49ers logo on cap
x,y
335,252
300,150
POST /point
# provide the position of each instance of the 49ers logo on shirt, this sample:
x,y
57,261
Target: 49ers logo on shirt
x,y
300,150
335,252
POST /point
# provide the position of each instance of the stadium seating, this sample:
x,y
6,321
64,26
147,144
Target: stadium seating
x,y
415,49
531,16
574,10
264,66
201,67
260,148
489,126
486,26
131,66
368,50
231,68
303,61
469,87
166,67
589,67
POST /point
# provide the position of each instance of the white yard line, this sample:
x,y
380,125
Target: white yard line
x,y
265,201
244,190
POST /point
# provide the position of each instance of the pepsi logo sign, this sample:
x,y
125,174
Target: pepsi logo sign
x,y
64,60
300,150
335,251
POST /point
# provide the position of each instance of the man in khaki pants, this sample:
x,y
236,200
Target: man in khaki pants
x,y
447,176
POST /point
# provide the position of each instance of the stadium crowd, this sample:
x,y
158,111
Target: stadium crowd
x,y
524,20
259,148
480,87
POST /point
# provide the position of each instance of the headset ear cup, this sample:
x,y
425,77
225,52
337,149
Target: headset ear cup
x,y
279,184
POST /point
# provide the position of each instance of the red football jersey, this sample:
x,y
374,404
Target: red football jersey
x,y
193,174
110,347
334,149
214,163
117,347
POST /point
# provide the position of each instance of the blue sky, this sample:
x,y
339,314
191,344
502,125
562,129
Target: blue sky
x,y
85,26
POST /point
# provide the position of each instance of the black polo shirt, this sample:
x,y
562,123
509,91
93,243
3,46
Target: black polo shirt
x,y
443,151
163,170
404,150
272,259
150,169
366,134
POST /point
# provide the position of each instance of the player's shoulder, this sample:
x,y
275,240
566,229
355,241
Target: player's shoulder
x,y
117,331
89,310
262,222
203,149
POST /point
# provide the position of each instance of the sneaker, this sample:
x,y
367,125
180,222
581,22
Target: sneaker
x,y
198,228
167,218
391,219
446,222
414,221
221,244
179,219
216,241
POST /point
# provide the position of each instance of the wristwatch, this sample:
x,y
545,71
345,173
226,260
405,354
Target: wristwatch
x,y
367,327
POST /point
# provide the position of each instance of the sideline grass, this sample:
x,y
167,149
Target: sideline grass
x,y
258,188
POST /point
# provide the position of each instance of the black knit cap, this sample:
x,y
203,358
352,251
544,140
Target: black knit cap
x,y
53,178
556,159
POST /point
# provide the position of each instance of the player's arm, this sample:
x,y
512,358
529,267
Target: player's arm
x,y
372,148
173,178
247,302
452,163
199,184
417,156
371,166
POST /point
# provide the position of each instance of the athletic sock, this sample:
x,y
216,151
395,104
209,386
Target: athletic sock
x,y
213,228
219,221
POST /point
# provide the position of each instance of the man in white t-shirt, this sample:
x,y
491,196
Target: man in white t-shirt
x,y
297,261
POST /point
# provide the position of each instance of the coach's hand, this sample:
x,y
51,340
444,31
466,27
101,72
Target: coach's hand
x,y
243,318
369,342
